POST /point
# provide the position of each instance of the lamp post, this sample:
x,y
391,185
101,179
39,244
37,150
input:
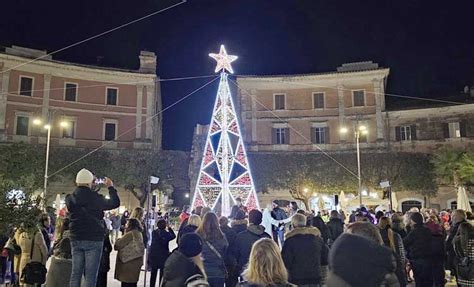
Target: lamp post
x,y
358,131
47,126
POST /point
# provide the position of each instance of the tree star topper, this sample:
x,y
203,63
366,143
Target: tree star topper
x,y
223,60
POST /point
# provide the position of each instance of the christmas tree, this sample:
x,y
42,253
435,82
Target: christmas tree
x,y
225,173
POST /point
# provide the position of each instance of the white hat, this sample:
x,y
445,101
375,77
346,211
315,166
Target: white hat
x,y
84,177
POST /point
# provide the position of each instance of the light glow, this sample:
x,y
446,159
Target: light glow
x,y
64,124
47,126
362,128
343,130
223,60
365,132
37,122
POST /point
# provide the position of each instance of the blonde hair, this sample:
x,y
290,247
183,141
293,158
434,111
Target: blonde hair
x,y
265,266
365,229
137,213
194,220
298,220
385,223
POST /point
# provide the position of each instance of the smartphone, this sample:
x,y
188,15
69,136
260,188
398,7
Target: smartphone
x,y
99,180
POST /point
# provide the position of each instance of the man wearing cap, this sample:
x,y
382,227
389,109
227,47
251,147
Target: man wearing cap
x,y
87,228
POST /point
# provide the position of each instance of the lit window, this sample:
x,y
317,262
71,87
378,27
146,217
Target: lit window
x,y
280,136
405,133
69,130
320,135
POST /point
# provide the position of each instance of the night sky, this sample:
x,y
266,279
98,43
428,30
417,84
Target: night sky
x,y
428,45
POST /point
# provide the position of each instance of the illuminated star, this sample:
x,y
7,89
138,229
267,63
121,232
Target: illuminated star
x,y
223,60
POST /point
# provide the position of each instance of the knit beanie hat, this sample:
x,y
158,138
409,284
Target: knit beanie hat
x,y
360,261
84,177
190,244
255,217
417,218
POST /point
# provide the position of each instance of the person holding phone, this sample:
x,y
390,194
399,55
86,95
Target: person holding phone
x,y
160,250
86,208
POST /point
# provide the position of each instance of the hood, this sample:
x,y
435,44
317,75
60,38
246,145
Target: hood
x,y
239,222
256,229
304,231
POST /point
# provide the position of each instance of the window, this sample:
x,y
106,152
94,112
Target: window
x,y
110,131
318,100
281,136
358,98
69,130
405,133
22,125
70,92
454,130
112,95
280,102
26,86
320,135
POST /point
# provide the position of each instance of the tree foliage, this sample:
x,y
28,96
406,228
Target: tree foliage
x,y
321,174
454,167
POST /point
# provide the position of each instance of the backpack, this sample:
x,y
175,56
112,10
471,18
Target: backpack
x,y
197,280
34,272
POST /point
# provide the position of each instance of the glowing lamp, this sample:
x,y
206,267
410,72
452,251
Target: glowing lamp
x,y
343,130
37,122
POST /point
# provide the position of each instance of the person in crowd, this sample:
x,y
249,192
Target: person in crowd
x,y
214,249
418,244
139,214
293,208
367,214
244,240
379,214
319,224
129,272
240,222
193,222
394,242
438,250
304,252
86,209
266,266
357,260
278,231
236,208
352,217
59,271
123,220
342,215
116,224
269,222
45,227
205,210
335,226
184,214
457,218
159,250
33,248
104,266
230,261
398,226
184,264
464,249
108,223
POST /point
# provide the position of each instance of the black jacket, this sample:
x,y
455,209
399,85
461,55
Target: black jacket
x,y
239,225
178,268
418,243
104,266
278,214
336,228
319,224
243,244
303,253
86,209
184,230
159,250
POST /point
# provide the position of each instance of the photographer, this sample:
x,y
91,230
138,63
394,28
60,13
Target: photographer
x,y
86,208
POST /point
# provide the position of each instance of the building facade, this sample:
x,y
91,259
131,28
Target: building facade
x,y
85,106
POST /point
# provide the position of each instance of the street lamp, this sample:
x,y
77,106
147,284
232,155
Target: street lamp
x,y
47,126
358,131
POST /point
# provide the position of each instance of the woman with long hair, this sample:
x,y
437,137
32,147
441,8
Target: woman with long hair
x,y
214,249
139,214
190,225
129,272
59,272
394,242
266,267
464,248
398,225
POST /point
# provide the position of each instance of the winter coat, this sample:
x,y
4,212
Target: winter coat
x,y
319,224
399,229
243,244
438,248
269,222
279,214
460,252
86,209
418,243
184,230
239,225
303,253
335,227
104,266
159,249
230,235
116,222
213,265
40,252
178,268
60,268
399,254
183,216
128,272
47,239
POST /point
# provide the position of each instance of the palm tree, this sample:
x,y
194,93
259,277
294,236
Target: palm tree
x,y
466,168
453,167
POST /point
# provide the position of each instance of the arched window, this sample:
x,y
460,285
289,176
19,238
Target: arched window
x,y
407,204
453,204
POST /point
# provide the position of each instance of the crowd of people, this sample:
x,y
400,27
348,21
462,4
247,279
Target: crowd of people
x,y
277,246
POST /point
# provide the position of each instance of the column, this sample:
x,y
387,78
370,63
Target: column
x,y
138,118
340,100
150,100
378,108
254,116
46,92
158,129
3,98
